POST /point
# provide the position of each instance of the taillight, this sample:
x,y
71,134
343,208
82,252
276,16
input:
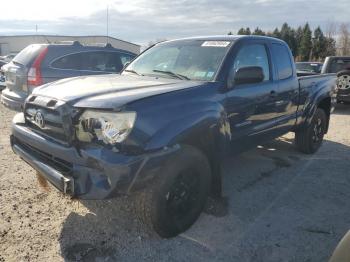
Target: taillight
x,y
34,73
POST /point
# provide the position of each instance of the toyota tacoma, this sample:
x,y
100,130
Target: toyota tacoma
x,y
160,128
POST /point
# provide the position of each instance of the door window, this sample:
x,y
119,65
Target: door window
x,y
339,65
98,61
72,61
105,61
253,55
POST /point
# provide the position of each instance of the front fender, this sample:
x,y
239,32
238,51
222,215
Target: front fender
x,y
208,131
209,124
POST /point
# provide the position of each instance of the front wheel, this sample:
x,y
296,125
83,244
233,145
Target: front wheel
x,y
309,139
174,202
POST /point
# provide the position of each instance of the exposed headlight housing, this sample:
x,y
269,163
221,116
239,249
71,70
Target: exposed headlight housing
x,y
110,127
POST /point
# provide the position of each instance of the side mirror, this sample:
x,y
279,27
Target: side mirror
x,y
246,75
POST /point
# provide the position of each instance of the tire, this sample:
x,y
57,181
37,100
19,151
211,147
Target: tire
x,y
343,80
177,197
309,139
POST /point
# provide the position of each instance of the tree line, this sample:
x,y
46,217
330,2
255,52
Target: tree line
x,y
305,44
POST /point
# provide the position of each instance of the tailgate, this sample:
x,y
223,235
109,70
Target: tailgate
x,y
16,77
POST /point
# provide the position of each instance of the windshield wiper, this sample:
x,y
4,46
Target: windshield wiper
x,y
132,71
172,74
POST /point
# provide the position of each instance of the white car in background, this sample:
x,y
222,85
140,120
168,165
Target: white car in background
x,y
2,80
3,61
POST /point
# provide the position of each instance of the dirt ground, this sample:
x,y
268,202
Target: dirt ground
x,y
279,205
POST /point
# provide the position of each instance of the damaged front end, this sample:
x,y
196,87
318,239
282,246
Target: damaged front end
x,y
77,151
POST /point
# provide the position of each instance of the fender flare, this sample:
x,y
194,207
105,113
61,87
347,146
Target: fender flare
x,y
312,106
206,130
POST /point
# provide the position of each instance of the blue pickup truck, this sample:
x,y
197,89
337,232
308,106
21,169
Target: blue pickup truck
x,y
161,127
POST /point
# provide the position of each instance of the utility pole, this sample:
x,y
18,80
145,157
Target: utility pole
x,y
107,37
36,33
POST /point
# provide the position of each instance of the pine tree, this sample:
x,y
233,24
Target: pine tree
x,y
298,36
300,41
305,43
319,44
241,31
258,31
276,33
287,34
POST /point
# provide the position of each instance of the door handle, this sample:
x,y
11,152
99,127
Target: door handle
x,y
273,94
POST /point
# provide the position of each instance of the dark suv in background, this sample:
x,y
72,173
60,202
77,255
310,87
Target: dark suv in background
x,y
341,66
39,64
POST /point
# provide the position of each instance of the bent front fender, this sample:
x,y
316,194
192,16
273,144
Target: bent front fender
x,y
210,125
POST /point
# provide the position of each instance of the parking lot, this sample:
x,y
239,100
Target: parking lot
x,y
279,205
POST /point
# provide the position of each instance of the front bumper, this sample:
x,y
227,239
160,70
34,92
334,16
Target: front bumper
x,y
92,172
13,100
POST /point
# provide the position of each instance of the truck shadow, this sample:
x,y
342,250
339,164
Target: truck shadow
x,y
342,109
229,229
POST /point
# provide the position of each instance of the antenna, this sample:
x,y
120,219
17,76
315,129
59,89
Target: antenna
x,y
107,37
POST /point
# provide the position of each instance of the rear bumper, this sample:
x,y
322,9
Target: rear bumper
x,y
12,100
343,98
343,95
92,172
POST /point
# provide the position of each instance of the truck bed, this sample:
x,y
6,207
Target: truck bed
x,y
310,86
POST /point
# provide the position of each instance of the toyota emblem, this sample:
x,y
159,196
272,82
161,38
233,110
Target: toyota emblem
x,y
39,119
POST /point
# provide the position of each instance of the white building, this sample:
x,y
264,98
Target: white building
x,y
14,44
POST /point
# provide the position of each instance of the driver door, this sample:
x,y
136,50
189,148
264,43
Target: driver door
x,y
251,107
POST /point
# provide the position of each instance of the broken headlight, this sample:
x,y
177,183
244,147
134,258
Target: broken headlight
x,y
110,127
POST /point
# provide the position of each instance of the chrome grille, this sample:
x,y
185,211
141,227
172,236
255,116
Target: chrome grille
x,y
54,118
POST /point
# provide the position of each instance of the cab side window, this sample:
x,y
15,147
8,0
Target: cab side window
x,y
253,55
283,61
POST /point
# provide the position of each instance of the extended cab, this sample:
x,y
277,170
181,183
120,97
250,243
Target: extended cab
x,y
161,127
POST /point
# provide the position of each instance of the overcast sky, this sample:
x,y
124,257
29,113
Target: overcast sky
x,y
141,21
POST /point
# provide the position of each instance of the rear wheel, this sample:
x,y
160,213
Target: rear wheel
x,y
178,196
309,139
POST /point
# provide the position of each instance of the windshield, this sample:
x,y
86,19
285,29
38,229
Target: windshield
x,y
186,59
309,67
339,65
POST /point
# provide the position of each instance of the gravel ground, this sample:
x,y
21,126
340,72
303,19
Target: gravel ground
x,y
279,205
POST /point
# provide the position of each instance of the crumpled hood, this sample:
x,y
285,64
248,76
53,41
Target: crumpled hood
x,y
110,91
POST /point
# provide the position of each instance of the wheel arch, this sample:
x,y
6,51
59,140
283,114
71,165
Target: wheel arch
x,y
206,131
326,104
323,102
